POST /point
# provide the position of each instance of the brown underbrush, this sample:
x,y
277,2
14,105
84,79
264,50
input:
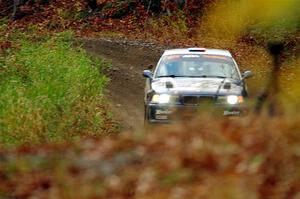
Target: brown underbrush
x,y
250,157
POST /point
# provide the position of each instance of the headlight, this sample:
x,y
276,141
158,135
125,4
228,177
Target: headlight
x,y
231,99
164,98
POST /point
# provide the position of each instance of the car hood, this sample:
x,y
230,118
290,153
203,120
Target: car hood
x,y
205,86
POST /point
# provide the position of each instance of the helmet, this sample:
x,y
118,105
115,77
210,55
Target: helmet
x,y
172,68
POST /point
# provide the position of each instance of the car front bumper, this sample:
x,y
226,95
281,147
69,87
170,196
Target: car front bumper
x,y
166,113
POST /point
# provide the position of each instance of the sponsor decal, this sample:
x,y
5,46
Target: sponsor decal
x,y
163,112
161,117
190,56
173,57
231,113
216,57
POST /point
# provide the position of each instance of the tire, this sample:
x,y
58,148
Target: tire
x,y
146,117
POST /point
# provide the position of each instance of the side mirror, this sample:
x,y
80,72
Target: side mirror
x,y
148,74
247,74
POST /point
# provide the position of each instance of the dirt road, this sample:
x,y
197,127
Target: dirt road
x,y
125,90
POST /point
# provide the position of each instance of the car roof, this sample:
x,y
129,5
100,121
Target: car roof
x,y
202,51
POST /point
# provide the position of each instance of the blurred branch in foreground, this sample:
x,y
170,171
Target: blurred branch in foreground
x,y
270,94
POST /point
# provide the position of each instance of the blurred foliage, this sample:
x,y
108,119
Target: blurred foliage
x,y
255,158
290,90
268,19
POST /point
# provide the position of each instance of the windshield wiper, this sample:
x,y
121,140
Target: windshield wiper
x,y
219,88
207,76
170,76
193,76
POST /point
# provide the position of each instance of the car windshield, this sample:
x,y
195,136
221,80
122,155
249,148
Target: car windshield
x,y
197,66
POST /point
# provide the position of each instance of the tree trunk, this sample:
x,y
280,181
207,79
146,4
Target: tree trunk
x,y
271,93
92,4
15,10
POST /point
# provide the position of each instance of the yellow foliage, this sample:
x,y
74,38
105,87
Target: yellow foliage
x,y
230,19
290,86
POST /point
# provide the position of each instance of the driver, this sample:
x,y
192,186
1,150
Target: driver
x,y
173,68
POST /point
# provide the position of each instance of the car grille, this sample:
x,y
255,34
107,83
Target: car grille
x,y
197,100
